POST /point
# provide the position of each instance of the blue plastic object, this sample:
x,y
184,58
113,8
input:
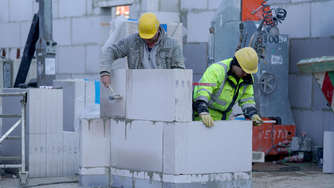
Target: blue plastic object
x,y
164,26
97,91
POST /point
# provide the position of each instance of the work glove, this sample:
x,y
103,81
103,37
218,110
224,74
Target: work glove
x,y
206,119
257,120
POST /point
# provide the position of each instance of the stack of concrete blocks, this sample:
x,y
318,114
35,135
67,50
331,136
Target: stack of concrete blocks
x,y
155,143
52,151
80,100
94,152
180,154
328,160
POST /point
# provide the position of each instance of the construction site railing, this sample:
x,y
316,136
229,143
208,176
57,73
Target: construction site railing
x,y
22,173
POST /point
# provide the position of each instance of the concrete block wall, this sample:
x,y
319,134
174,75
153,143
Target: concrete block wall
x,y
181,148
52,152
82,26
310,29
309,106
129,85
79,28
197,18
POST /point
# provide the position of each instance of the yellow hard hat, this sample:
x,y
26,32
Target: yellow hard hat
x,y
248,60
148,25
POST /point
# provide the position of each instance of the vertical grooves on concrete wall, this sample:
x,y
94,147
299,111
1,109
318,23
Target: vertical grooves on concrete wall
x,y
8,12
310,20
86,8
71,28
163,150
85,54
207,5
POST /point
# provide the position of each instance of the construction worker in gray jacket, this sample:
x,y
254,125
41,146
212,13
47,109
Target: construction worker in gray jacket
x,y
150,48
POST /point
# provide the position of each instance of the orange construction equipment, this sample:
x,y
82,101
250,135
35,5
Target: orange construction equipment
x,y
272,138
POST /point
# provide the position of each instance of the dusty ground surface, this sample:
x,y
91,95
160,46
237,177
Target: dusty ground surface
x,y
265,175
291,175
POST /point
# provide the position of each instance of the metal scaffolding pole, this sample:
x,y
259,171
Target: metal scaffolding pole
x,y
46,47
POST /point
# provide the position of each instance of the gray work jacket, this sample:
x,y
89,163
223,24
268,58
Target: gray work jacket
x,y
168,56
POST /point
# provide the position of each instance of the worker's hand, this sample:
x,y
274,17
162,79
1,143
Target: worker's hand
x,y
206,119
105,79
257,120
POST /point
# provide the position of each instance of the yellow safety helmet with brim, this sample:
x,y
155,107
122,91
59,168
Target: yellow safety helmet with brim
x,y
148,25
247,59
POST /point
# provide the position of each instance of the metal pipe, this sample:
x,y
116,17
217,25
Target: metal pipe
x,y
10,116
13,94
45,19
10,130
23,160
10,166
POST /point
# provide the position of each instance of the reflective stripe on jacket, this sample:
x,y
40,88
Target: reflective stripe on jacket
x,y
220,96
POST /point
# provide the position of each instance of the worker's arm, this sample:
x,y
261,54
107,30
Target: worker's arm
x,y
247,104
213,76
177,57
113,52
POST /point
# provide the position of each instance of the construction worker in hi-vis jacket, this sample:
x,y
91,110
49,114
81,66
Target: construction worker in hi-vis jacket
x,y
230,82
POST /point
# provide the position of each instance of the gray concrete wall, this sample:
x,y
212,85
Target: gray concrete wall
x,y
311,30
82,26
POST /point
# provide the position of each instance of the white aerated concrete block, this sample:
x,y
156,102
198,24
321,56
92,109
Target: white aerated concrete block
x,y
87,30
158,95
62,31
4,13
170,6
71,8
37,155
94,143
54,154
71,59
137,145
45,107
71,153
191,148
24,31
168,17
189,4
150,5
74,102
7,31
320,12
92,58
198,26
115,108
180,148
162,95
214,4
20,10
299,16
328,166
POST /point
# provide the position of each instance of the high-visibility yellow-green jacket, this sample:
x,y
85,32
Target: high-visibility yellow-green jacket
x,y
222,89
